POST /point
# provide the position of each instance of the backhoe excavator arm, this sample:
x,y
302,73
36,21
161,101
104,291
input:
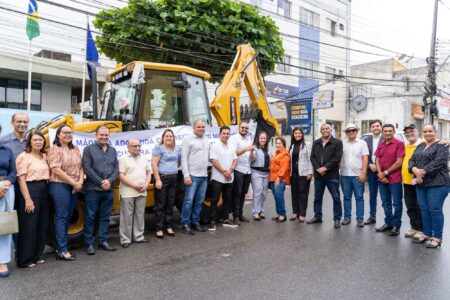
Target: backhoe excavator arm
x,y
226,104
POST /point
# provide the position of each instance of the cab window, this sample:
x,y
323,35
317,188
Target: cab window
x,y
196,99
161,101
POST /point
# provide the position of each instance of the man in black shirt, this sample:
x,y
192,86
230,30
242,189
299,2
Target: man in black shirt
x,y
326,155
101,168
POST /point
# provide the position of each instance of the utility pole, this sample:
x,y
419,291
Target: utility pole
x,y
430,105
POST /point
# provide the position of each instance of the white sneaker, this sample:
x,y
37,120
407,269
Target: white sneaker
x,y
230,224
211,227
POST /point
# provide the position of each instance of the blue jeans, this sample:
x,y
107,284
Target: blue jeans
x,y
431,200
372,178
94,201
64,202
5,240
319,190
350,186
391,196
278,194
194,195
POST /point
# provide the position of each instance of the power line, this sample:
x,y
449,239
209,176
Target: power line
x,y
186,53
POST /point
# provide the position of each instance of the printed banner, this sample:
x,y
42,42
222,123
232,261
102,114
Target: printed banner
x,y
323,99
148,138
279,90
298,114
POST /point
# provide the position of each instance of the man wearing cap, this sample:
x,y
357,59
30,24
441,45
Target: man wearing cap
x,y
413,209
353,169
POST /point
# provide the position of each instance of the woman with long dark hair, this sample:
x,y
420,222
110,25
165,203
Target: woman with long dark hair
x,y
166,159
66,180
32,202
301,173
260,174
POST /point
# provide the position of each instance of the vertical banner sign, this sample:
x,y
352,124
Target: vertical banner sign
x,y
298,114
233,110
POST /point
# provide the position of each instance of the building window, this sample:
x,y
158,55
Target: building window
x,y
330,74
14,94
309,18
308,69
341,27
332,27
255,3
284,8
365,126
285,65
336,126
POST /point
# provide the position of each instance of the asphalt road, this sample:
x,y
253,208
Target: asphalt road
x,y
259,260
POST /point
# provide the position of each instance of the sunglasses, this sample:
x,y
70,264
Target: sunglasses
x,y
351,130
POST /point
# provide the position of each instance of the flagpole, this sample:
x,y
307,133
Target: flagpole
x,y
30,63
83,88
83,84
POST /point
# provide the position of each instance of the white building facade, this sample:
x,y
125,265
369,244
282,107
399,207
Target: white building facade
x,y
395,95
315,36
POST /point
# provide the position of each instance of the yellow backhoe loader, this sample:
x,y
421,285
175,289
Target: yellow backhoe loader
x,y
146,95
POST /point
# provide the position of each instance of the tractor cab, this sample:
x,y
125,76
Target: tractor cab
x,y
152,95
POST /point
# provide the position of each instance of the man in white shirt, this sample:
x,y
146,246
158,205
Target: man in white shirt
x,y
223,159
372,143
194,164
353,170
242,174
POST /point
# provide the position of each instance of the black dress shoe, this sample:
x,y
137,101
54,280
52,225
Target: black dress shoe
x,y
394,231
370,221
383,228
197,227
337,223
125,245
143,241
187,230
314,220
107,247
60,256
90,250
281,219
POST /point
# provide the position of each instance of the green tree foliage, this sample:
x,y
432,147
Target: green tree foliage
x,y
202,34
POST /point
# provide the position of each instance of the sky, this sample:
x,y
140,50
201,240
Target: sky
x,y
402,26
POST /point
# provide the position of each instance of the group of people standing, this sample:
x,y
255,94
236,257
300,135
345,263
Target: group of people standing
x,y
32,179
30,176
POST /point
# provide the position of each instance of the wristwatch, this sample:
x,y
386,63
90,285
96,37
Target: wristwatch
x,y
386,173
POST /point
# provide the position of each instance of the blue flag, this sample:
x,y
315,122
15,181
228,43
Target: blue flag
x,y
91,51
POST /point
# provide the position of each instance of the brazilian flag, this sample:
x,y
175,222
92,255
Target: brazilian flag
x,y
32,20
